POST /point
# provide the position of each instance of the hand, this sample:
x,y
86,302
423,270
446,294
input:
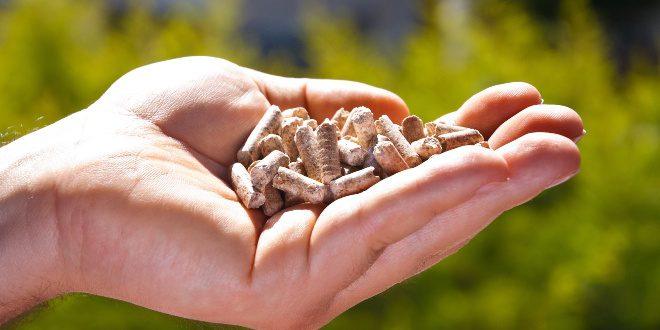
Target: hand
x,y
136,204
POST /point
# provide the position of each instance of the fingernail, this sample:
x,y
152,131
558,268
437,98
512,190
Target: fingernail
x,y
584,132
563,179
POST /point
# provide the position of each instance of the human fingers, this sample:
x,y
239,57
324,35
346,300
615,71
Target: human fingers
x,y
489,108
351,233
556,119
536,162
322,97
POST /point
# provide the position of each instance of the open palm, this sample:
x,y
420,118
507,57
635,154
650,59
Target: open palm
x,y
147,216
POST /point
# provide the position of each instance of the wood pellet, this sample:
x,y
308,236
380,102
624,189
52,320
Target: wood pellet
x,y
292,159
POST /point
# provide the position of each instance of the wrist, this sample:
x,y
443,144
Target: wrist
x,y
31,263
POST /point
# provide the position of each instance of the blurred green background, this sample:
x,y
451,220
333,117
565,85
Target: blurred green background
x,y
585,254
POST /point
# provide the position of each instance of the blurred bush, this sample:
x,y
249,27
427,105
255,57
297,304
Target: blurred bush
x,y
582,255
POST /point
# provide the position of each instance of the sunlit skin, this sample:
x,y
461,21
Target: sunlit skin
x,y
129,198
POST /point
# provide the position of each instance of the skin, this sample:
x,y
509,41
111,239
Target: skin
x,y
129,198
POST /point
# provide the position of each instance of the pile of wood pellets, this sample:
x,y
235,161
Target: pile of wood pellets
x,y
290,159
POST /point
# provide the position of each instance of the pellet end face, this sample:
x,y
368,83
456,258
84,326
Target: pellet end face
x,y
263,172
412,128
270,143
389,158
351,153
427,147
299,112
362,120
340,118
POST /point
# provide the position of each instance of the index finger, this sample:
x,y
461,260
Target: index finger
x,y
322,97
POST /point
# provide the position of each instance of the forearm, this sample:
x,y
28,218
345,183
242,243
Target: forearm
x,y
30,269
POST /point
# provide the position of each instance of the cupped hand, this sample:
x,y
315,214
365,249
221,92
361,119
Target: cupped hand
x,y
144,212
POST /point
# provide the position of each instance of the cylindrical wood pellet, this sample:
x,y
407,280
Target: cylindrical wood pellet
x,y
340,117
363,123
299,185
273,200
437,128
353,183
389,158
427,147
289,199
269,123
263,172
288,132
269,143
385,127
298,112
351,153
307,148
464,137
240,179
347,129
382,138
328,153
412,128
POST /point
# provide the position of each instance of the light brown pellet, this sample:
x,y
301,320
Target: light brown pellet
x,y
340,117
382,138
293,159
288,132
269,143
351,153
412,128
464,137
353,183
311,123
289,199
269,123
347,129
299,185
436,128
363,123
385,127
273,200
328,152
262,173
240,179
298,112
427,147
307,147
389,158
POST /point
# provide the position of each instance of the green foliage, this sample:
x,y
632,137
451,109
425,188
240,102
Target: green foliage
x,y
585,254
